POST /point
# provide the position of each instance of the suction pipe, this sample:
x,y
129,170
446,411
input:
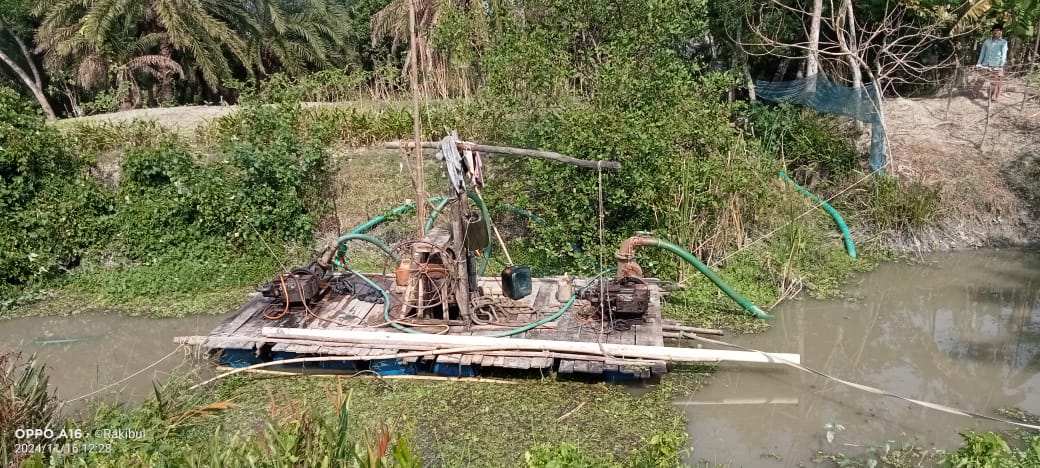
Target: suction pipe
x,y
627,267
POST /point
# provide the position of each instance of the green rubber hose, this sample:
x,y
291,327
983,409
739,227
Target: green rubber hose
x,y
342,241
849,246
708,272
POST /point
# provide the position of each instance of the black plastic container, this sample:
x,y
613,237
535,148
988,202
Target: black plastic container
x,y
516,281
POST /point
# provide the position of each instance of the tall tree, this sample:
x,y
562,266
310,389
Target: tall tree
x,y
292,35
73,31
15,52
441,26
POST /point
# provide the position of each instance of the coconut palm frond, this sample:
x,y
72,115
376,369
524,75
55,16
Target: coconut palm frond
x,y
93,72
969,14
155,65
391,21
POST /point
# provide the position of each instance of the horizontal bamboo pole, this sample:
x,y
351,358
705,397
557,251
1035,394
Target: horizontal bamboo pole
x,y
606,165
697,330
612,350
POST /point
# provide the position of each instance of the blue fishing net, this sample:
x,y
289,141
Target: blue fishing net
x,y
820,93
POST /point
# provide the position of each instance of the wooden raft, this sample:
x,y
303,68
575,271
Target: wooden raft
x,y
242,331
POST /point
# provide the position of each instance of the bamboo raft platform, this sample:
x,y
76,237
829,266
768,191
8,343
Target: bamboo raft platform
x,y
241,341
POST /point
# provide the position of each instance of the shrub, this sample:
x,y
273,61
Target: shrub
x,y
51,209
804,139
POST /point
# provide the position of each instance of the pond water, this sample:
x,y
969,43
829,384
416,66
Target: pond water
x,y
959,329
84,353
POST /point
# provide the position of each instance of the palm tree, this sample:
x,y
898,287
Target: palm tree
x,y
434,63
291,35
91,35
1021,13
117,58
16,54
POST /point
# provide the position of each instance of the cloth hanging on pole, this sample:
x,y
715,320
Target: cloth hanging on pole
x,y
453,161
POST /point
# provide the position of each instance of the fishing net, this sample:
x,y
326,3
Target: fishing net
x,y
820,93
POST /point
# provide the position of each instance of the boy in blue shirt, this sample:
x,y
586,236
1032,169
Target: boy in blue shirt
x,y
991,60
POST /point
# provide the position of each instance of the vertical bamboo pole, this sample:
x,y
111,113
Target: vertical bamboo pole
x,y
420,189
458,225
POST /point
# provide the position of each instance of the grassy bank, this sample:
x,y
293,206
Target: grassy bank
x,y
328,421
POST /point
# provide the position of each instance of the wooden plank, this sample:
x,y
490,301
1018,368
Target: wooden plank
x,y
488,361
596,367
654,320
449,358
545,290
328,311
218,337
467,360
615,337
513,362
566,366
581,366
542,363
500,361
404,340
536,286
231,324
359,312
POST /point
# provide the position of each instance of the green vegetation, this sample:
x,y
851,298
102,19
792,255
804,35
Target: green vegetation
x,y
178,225
52,209
25,401
246,421
977,450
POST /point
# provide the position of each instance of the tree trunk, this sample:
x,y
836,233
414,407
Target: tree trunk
x,y
812,65
781,70
747,70
37,90
166,81
1036,44
849,45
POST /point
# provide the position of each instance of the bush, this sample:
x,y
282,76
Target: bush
x,y
52,211
804,139
902,206
989,450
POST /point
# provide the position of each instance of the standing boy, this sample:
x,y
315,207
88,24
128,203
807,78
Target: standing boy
x,y
991,60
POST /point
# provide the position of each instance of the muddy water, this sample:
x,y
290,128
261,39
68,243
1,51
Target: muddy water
x,y
963,330
86,352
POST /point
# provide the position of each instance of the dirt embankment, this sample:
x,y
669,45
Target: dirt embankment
x,y
977,154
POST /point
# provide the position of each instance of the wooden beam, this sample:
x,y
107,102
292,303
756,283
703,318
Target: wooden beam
x,y
463,145
403,340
